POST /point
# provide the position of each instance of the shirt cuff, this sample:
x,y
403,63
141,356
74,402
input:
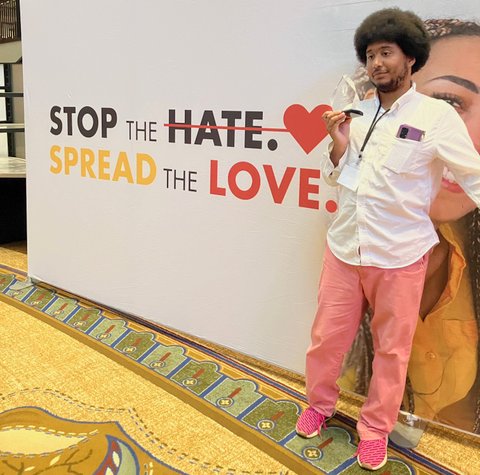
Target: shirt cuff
x,y
329,170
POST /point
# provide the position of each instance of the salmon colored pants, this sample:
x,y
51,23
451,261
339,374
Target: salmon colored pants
x,y
344,294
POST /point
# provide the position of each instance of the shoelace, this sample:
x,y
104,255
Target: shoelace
x,y
323,424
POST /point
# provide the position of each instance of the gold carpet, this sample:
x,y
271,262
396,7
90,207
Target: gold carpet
x,y
76,382
14,255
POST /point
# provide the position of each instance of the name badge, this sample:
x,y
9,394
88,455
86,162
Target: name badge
x,y
349,177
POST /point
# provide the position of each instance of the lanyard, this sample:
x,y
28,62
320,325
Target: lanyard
x,y
370,131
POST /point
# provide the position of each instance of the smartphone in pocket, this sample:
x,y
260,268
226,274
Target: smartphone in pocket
x,y
406,131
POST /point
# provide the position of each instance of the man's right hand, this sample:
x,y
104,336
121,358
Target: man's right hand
x,y
338,127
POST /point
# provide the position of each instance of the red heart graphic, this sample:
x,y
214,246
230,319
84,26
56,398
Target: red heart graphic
x,y
307,128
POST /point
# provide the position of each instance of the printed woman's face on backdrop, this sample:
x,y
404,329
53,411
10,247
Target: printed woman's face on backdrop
x,y
452,74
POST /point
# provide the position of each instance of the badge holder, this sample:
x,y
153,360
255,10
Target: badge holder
x,y
349,177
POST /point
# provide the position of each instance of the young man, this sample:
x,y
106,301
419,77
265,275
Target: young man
x,y
388,165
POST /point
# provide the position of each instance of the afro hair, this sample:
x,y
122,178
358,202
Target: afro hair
x,y
403,28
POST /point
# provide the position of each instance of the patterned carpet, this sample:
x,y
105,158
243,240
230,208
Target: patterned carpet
x,y
59,397
107,395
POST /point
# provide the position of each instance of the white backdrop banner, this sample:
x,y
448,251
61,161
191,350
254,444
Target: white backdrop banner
x,y
173,157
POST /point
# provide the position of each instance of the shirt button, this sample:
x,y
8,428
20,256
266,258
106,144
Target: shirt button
x,y
430,355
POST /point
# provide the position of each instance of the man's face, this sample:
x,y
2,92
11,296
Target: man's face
x,y
388,67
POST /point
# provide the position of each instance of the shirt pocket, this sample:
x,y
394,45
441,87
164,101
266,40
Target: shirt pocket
x,y
402,154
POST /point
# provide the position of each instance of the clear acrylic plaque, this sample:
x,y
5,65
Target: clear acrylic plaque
x,y
345,94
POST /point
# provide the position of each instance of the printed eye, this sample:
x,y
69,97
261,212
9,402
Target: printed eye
x,y
454,100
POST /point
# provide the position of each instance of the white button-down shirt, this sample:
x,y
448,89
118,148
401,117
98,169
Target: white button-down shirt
x,y
385,222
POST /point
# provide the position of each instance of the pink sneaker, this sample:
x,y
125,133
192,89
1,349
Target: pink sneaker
x,y
372,454
310,423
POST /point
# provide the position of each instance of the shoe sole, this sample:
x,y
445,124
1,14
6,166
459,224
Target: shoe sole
x,y
369,467
306,436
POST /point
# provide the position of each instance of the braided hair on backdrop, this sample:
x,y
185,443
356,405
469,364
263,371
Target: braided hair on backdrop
x,y
473,225
361,355
439,29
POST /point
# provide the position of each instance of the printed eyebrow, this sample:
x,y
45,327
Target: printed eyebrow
x,y
460,81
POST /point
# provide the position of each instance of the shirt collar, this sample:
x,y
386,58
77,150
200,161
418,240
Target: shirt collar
x,y
403,99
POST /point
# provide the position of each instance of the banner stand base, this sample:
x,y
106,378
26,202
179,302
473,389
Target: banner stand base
x,y
408,431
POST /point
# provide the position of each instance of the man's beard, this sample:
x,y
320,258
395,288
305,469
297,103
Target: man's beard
x,y
395,83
